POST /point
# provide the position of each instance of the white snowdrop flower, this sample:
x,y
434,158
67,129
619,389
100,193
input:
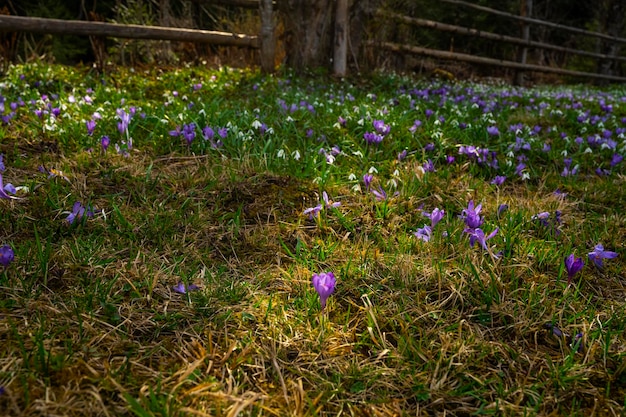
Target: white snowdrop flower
x,y
396,173
525,176
351,177
564,152
281,153
372,170
256,124
392,183
330,159
289,119
317,180
510,154
358,153
360,122
509,162
296,155
588,150
356,188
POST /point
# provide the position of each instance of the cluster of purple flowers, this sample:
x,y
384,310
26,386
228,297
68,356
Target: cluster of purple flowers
x,y
314,212
473,222
188,132
78,212
425,233
381,130
483,156
7,191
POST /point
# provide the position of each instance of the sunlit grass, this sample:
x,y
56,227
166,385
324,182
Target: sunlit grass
x,y
93,321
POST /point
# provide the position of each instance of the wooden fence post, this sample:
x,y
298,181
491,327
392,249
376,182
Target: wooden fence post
x,y
268,39
340,53
526,11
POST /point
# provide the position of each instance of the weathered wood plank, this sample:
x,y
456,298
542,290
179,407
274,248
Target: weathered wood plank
x,y
114,30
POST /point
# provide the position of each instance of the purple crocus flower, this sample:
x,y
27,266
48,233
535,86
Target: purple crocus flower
x,y
493,130
616,159
599,254
381,127
208,133
498,180
91,126
78,211
424,233
189,132
122,125
329,203
182,289
471,215
429,166
573,265
324,283
6,255
313,212
105,142
372,138
380,194
2,167
502,208
477,235
402,155
367,180
175,132
222,132
567,171
435,216
6,189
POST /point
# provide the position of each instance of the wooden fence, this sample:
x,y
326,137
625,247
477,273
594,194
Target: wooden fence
x,y
265,40
523,42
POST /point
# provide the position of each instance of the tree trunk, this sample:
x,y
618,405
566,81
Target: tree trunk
x,y
341,39
308,32
267,38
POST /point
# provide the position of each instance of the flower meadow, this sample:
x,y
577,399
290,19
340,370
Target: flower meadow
x,y
216,241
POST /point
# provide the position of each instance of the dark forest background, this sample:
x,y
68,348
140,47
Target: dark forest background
x,y
300,19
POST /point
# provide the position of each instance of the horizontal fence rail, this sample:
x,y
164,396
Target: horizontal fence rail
x,y
460,30
488,61
115,30
536,21
524,42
